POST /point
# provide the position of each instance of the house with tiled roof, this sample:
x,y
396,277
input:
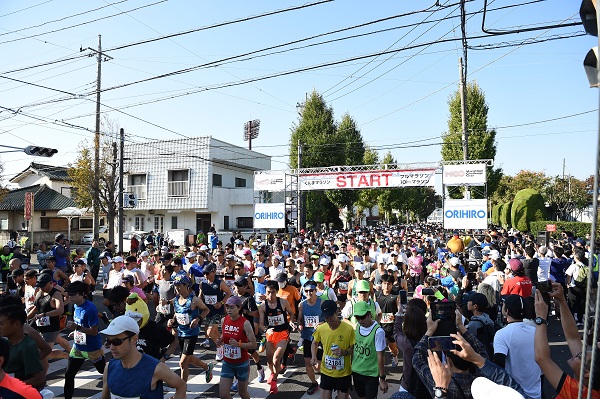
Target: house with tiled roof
x,y
55,177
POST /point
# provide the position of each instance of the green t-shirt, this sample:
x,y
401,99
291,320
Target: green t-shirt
x,y
364,361
24,359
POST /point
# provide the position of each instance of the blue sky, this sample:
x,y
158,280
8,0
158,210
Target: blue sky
x,y
403,97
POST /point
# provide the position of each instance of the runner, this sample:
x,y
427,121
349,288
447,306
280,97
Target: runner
x,y
337,340
237,338
187,319
214,294
274,321
309,317
87,343
323,291
389,304
131,374
368,373
364,289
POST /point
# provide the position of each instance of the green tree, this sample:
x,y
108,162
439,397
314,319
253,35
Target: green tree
x,y
567,196
81,173
367,198
528,206
387,196
481,140
509,186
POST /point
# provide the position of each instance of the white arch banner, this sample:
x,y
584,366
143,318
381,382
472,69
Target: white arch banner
x,y
367,179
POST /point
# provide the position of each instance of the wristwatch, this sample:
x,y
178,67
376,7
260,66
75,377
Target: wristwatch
x,y
382,377
539,321
440,392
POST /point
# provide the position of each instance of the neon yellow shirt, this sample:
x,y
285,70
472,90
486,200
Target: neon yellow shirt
x,y
343,337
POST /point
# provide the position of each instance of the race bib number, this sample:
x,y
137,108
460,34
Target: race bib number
x,y
387,318
232,352
334,363
79,338
311,321
183,319
113,396
275,320
229,283
343,285
210,299
164,309
43,321
200,280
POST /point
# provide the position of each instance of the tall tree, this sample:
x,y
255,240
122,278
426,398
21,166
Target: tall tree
x,y
481,140
509,186
387,196
367,198
567,196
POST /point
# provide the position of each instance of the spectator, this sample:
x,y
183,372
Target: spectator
x,y
519,284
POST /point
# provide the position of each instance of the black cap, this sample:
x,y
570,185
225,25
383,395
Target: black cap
x,y
281,278
515,306
17,272
210,268
328,308
241,282
478,299
43,279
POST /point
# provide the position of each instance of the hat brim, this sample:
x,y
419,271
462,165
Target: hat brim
x,y
327,314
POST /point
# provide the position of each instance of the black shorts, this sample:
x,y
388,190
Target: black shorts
x,y
307,348
389,335
365,386
188,344
341,384
342,297
106,293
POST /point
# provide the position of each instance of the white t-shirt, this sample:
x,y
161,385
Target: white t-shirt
x,y
349,309
573,271
516,341
492,280
544,268
380,341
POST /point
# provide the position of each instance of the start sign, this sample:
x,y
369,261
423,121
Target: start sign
x,y
367,179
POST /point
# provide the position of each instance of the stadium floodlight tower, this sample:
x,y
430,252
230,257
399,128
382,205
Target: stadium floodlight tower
x,y
251,131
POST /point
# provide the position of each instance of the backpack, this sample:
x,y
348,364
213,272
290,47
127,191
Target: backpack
x,y
485,335
580,279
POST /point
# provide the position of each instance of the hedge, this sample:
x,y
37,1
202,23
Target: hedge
x,y
579,229
527,206
496,214
505,220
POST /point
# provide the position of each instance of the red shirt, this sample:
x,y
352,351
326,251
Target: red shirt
x,y
520,285
234,329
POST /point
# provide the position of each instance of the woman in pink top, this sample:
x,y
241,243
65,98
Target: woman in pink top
x,y
415,268
127,282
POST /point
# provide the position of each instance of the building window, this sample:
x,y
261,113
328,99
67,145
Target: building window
x,y
4,224
245,223
68,191
159,222
45,223
178,183
137,185
173,222
217,180
225,222
138,223
86,223
239,182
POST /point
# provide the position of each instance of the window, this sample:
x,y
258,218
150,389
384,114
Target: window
x,y
173,222
217,180
245,223
45,223
137,185
225,222
86,223
159,222
139,223
68,191
4,224
178,183
239,182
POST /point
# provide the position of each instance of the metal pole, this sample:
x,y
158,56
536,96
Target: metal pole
x,y
96,197
463,109
300,202
121,177
250,135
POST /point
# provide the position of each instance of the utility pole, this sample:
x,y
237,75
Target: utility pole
x,y
96,196
300,200
120,213
463,109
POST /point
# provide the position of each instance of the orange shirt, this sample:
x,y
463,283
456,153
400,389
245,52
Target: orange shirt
x,y
11,387
290,294
570,388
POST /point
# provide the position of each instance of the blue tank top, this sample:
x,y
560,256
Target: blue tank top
x,y
184,314
135,382
211,293
311,316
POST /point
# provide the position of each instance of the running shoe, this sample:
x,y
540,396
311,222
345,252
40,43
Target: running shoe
x,y
273,388
208,373
219,355
234,386
394,361
270,379
261,375
261,346
206,343
312,388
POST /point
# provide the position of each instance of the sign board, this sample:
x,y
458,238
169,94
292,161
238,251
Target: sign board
x,y
465,174
550,227
269,216
465,214
28,206
269,181
367,179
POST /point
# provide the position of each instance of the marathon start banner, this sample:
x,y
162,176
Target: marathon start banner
x,y
367,179
465,214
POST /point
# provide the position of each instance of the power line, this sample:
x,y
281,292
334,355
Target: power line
x,y
26,8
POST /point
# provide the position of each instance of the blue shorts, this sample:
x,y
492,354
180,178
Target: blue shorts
x,y
238,370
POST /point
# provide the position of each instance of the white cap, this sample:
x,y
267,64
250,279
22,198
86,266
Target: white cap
x,y
285,243
482,388
359,267
382,258
342,258
327,243
203,248
255,243
191,255
120,325
259,272
454,261
494,254
324,261
117,259
134,315
393,268
145,253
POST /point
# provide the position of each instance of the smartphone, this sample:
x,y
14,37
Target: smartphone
x,y
441,343
446,313
427,291
544,286
403,297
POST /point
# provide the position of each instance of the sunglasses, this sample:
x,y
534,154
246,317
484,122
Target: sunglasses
x,y
309,290
116,341
239,268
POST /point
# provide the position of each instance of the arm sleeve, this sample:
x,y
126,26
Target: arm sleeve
x,y
500,359
420,365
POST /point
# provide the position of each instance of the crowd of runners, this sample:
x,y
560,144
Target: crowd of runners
x,y
464,313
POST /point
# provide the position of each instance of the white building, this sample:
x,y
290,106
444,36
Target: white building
x,y
189,184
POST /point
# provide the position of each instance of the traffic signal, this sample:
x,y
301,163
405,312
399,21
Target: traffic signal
x,y
587,12
129,200
40,151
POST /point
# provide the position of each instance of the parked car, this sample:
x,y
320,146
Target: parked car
x,y
102,236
